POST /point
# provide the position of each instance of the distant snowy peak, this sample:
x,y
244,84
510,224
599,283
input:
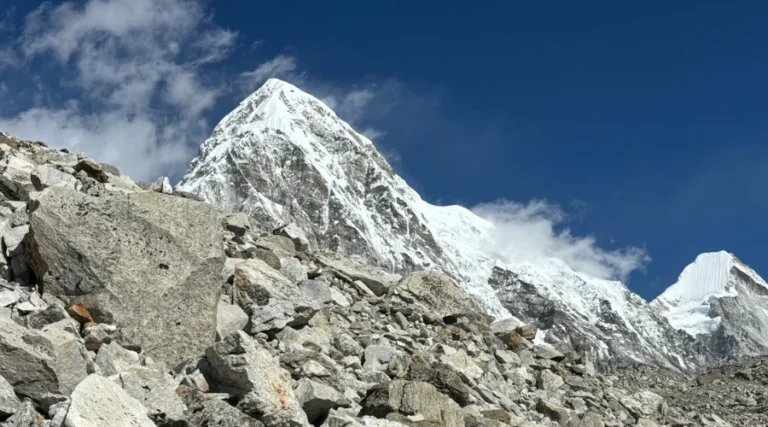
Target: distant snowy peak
x,y
687,304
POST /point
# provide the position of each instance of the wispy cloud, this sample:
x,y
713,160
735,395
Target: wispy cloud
x,y
534,229
138,67
6,20
281,66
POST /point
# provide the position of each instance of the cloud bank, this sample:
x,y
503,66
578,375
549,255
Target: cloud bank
x,y
534,229
138,78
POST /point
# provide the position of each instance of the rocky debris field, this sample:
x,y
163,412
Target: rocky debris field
x,y
128,304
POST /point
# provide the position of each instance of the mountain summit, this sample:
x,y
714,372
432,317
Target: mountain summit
x,y
721,300
282,156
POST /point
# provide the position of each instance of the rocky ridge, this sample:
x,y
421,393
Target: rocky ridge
x,y
301,337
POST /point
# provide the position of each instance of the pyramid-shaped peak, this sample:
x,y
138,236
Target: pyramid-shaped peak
x,y
706,276
275,85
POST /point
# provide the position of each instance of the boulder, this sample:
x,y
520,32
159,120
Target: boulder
x,y
293,269
207,411
642,404
592,419
462,363
98,402
156,391
113,359
296,234
25,416
239,364
121,184
339,298
442,376
110,169
229,318
310,337
97,334
318,291
271,301
549,381
13,240
15,178
316,399
92,169
398,399
280,245
9,403
377,357
46,176
238,223
266,255
148,263
162,185
554,411
436,293
378,281
44,365
9,297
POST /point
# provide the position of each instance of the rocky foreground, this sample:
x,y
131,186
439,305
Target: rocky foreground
x,y
128,304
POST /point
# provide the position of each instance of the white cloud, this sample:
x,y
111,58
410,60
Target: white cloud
x,y
281,66
139,69
351,104
531,230
117,138
373,134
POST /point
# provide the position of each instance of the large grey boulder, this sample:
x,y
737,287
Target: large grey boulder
x,y
206,411
316,399
98,401
156,391
46,176
146,262
374,278
44,365
280,245
162,185
296,234
229,318
25,416
436,293
113,359
271,300
240,365
238,223
9,403
15,178
642,403
316,290
397,399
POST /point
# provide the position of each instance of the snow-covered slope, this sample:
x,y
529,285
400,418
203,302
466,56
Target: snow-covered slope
x,y
722,301
283,156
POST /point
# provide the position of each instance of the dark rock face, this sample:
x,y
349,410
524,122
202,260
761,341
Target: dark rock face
x,y
608,338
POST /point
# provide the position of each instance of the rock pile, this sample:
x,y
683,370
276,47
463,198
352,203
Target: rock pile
x,y
131,305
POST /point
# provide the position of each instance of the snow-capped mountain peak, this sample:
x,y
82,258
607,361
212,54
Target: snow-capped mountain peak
x,y
284,156
723,302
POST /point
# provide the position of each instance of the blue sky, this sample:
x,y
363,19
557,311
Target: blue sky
x,y
645,124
